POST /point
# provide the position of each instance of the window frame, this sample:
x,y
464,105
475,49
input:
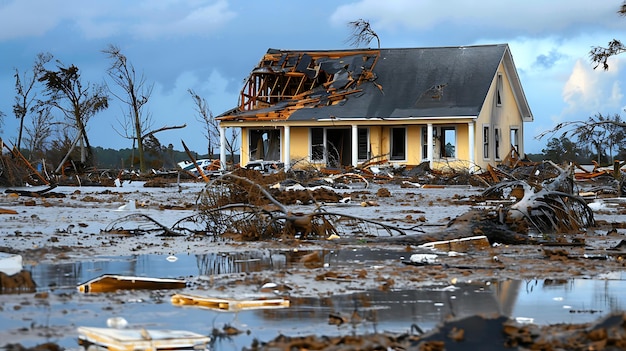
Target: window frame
x,y
442,142
497,136
486,140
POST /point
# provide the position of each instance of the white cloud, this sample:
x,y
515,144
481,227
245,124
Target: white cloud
x,y
147,19
21,19
531,16
179,19
589,91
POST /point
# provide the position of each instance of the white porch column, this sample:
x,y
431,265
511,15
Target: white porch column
x,y
429,148
287,153
355,145
470,137
222,148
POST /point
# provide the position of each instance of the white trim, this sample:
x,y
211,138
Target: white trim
x,y
417,118
355,145
471,136
222,149
287,153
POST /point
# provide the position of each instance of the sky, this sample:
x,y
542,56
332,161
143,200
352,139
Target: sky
x,y
210,46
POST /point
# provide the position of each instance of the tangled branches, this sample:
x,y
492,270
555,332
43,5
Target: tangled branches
x,y
236,207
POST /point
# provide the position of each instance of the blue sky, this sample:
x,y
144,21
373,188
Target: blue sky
x,y
210,46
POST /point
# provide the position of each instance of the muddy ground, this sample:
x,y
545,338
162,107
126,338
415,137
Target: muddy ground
x,y
69,228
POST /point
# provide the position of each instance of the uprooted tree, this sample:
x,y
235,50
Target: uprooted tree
x,y
242,206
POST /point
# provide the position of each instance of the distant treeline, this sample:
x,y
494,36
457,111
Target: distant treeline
x,y
164,159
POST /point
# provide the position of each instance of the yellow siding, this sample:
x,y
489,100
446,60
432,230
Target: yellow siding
x,y
462,142
300,141
376,140
413,140
502,117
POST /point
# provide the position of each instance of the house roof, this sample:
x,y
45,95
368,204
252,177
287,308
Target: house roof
x,y
386,83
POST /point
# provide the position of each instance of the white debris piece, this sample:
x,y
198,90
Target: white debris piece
x,y
424,258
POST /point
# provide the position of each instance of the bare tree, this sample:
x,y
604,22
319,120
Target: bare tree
x,y
26,98
600,55
77,101
362,33
209,124
39,132
136,95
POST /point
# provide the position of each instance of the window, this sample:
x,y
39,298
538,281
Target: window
x,y
499,90
363,144
398,144
486,142
317,144
496,140
447,145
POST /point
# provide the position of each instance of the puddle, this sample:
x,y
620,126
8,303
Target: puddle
x,y
539,301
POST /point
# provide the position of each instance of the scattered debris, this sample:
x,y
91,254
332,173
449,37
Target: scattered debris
x,y
141,339
143,224
18,283
10,263
471,333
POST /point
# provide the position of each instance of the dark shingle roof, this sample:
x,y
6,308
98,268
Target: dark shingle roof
x,y
420,82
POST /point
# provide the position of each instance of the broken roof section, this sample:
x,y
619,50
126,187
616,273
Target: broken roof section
x,y
385,83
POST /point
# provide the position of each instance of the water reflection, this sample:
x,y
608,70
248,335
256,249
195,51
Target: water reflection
x,y
560,301
542,301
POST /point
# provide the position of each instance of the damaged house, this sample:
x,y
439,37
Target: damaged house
x,y
462,107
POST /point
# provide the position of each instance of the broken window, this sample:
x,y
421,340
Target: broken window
x,y
398,144
496,140
264,144
499,90
363,144
514,135
485,142
317,144
448,142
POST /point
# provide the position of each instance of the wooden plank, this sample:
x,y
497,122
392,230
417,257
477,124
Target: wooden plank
x,y
473,243
222,304
110,283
